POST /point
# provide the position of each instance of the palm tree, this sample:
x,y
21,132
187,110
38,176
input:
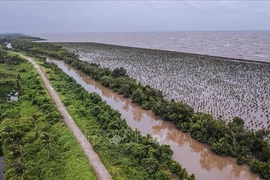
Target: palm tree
x,y
17,151
11,135
20,169
46,142
34,121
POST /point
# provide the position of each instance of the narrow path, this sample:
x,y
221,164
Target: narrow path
x,y
87,148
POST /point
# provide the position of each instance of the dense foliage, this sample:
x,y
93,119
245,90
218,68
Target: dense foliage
x,y
125,152
224,139
6,58
9,81
35,142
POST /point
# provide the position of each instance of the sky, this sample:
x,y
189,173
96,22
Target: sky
x,y
132,16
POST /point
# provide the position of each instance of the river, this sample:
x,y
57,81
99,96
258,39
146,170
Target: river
x,y
196,157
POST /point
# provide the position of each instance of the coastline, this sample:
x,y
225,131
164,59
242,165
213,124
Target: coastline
x,y
168,51
71,59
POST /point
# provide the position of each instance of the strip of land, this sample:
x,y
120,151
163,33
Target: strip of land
x,y
87,148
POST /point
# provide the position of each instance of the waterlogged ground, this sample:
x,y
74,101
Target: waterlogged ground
x,y
221,87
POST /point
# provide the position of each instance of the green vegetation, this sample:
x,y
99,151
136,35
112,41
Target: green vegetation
x,y
231,139
7,82
8,79
124,152
224,139
35,142
217,86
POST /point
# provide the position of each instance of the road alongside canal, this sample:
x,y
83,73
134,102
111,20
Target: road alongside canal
x,y
87,148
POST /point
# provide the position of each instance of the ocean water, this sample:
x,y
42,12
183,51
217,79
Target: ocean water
x,y
248,45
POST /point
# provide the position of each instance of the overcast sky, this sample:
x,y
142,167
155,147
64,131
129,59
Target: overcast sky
x,y
123,16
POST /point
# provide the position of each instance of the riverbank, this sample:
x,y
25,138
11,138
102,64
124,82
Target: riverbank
x,y
197,158
125,152
224,139
210,85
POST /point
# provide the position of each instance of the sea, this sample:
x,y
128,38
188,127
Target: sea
x,y
247,45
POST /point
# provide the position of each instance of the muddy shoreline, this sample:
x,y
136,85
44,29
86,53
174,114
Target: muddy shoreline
x,y
168,51
224,89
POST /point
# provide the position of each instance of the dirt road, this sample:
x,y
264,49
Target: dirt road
x,y
87,148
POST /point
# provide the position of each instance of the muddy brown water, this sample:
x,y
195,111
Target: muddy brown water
x,y
196,157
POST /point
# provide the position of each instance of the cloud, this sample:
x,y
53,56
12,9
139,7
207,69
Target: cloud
x,y
91,16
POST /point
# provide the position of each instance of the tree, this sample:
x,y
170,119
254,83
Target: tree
x,y
238,121
137,96
150,164
106,81
46,142
222,147
125,90
117,72
265,154
96,110
164,175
